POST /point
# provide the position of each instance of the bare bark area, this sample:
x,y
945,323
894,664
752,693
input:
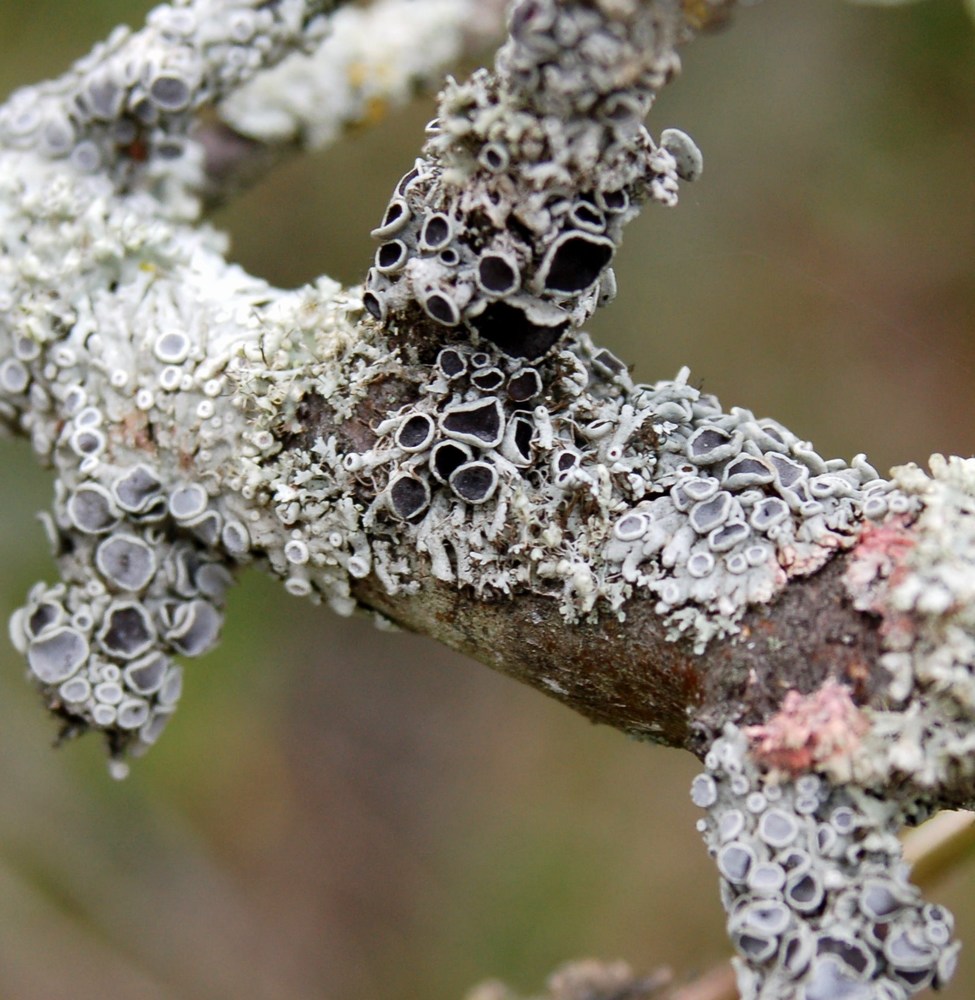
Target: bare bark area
x,y
628,674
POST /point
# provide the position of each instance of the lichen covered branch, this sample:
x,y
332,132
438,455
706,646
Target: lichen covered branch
x,y
372,59
446,447
124,111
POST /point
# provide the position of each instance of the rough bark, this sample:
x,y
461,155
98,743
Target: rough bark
x,y
630,675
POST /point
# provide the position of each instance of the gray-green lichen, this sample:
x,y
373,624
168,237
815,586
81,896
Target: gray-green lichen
x,y
120,368
818,898
125,110
803,810
451,420
507,224
124,338
565,478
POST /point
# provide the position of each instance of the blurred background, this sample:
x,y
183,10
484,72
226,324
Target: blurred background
x,y
337,812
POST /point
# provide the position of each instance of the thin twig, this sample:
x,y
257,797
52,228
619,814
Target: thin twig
x,y
717,983
939,846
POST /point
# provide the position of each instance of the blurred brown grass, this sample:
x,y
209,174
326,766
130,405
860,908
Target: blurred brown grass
x,y
341,813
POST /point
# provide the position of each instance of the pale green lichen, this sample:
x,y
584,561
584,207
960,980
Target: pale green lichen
x,y
258,424
450,420
124,344
125,110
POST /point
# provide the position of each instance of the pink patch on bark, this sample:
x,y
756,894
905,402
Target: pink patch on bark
x,y
878,563
880,554
810,731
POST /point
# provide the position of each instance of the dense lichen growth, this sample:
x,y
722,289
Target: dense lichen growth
x,y
450,421
200,419
818,898
920,578
565,478
124,335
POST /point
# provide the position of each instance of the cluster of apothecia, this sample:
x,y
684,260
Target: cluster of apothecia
x,y
506,227
130,101
818,898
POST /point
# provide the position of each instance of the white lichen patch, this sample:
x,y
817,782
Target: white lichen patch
x,y
373,59
119,323
921,580
451,422
119,369
818,898
163,384
738,506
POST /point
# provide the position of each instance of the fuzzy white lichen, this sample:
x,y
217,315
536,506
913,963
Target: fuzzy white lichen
x,y
822,761
498,243
372,58
563,477
507,225
121,371
921,579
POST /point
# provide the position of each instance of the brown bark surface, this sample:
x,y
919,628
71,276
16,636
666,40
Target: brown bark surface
x,y
629,675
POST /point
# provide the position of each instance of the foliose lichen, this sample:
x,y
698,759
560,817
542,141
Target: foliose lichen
x,y
125,110
451,419
505,228
127,394
118,321
199,419
565,478
818,897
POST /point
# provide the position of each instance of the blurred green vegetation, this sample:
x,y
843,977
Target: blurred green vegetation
x,y
340,813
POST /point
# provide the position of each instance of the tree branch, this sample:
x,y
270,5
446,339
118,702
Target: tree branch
x,y
447,447
372,60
